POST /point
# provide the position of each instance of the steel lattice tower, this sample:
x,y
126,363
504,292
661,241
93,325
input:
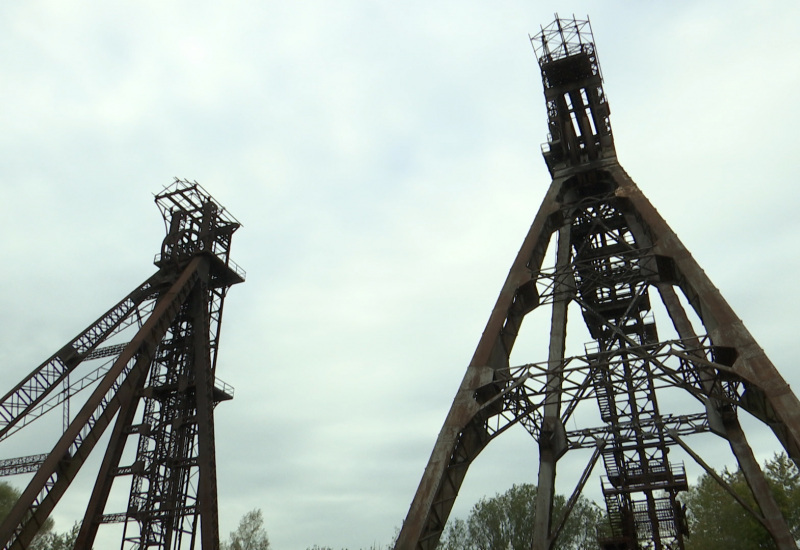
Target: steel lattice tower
x,y
615,256
150,362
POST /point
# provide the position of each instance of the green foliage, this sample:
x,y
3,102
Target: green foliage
x,y
8,498
784,479
250,534
718,522
504,522
58,541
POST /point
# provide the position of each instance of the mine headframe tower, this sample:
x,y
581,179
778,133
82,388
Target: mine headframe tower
x,y
614,254
150,363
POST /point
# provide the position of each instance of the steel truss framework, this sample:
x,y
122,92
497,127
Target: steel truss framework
x,y
156,383
614,254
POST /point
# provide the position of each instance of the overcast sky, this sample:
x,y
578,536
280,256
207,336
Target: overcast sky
x,y
384,159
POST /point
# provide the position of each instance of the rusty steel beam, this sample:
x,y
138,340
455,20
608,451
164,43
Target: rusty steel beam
x,y
552,443
206,453
424,523
17,405
21,465
108,470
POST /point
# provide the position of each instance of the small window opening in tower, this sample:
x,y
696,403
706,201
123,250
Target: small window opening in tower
x,y
584,97
575,124
590,116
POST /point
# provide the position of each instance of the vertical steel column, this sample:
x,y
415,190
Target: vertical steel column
x,y
206,452
552,441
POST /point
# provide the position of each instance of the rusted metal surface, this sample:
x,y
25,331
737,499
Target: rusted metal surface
x,y
160,385
614,250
